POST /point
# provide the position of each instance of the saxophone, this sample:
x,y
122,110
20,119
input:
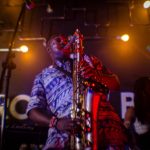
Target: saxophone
x,y
77,139
86,99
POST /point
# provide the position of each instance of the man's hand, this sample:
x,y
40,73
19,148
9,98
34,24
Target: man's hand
x,y
67,124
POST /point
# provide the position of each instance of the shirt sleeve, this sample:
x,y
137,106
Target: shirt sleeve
x,y
37,99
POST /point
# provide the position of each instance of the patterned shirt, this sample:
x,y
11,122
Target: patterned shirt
x,y
52,91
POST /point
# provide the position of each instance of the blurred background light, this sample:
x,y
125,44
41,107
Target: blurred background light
x,y
124,37
24,48
146,4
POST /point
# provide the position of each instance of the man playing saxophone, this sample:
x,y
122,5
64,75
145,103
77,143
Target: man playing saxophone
x,y
51,97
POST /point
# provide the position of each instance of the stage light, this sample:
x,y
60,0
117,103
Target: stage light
x,y
49,9
146,4
24,48
124,37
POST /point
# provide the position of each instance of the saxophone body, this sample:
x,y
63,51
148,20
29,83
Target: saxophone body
x,y
86,99
77,138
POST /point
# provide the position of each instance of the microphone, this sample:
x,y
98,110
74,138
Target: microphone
x,y
71,40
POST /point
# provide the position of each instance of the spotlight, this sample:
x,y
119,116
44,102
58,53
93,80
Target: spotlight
x,y
24,48
124,37
49,9
146,4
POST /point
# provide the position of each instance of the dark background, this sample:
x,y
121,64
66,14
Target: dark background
x,y
100,22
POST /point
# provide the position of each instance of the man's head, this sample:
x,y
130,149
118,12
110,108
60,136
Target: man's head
x,y
56,47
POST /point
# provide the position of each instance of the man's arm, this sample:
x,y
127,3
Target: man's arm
x,y
40,117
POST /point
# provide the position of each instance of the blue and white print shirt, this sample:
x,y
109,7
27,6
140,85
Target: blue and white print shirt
x,y
53,91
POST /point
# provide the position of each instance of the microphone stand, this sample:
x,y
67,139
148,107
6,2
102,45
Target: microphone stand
x,y
7,67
